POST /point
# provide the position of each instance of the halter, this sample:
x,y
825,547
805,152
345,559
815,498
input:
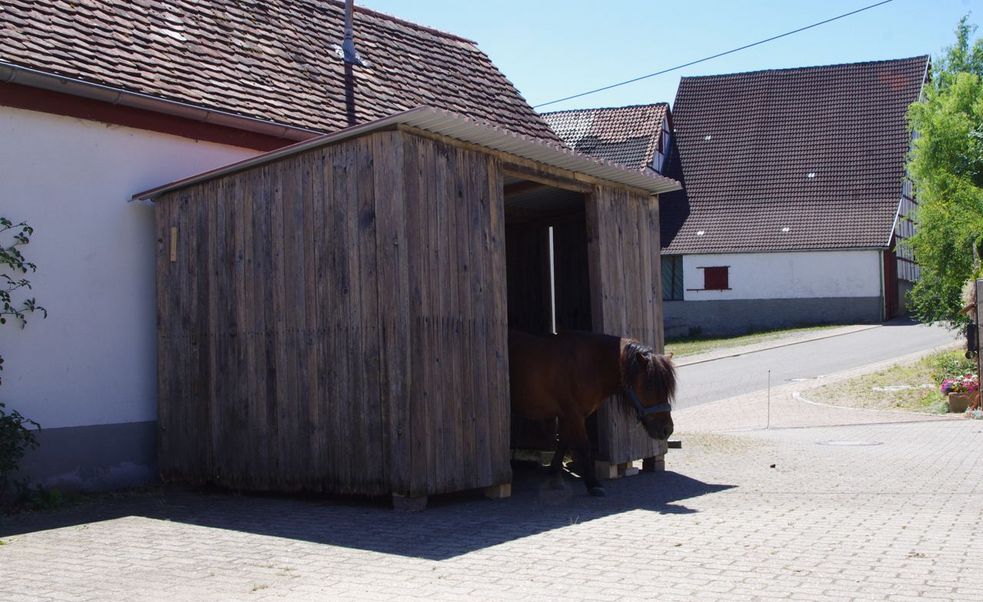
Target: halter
x,y
641,411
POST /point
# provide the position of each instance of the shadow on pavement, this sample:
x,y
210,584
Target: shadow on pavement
x,y
451,526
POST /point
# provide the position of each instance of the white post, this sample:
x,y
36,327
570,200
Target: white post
x,y
768,424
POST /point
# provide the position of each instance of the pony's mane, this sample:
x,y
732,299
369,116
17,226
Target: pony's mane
x,y
659,373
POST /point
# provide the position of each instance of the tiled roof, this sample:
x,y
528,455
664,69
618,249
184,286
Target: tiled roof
x,y
625,135
790,159
269,59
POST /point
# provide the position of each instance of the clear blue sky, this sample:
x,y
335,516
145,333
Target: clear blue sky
x,y
554,48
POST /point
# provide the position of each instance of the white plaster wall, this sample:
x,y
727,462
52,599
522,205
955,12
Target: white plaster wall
x,y
93,360
801,275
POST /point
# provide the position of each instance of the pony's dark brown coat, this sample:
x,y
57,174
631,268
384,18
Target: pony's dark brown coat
x,y
568,376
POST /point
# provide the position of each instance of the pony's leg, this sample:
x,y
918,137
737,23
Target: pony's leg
x,y
556,466
575,433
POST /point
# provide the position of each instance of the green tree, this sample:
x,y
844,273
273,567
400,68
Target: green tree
x,y
946,166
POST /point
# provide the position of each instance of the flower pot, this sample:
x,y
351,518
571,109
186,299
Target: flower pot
x,y
958,402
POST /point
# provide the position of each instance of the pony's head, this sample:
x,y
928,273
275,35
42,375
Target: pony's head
x,y
649,382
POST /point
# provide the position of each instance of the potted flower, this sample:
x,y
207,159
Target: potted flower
x,y
960,391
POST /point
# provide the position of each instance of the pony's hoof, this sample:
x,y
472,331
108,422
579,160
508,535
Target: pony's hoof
x,y
597,491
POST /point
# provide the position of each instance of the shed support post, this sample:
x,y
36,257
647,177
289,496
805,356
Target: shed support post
x,y
654,464
606,470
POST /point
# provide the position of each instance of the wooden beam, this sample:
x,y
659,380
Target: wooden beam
x,y
545,175
528,169
524,186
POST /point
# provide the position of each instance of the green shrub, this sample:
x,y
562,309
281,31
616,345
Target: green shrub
x,y
951,363
16,437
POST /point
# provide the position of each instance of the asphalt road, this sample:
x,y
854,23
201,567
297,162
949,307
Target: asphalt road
x,y
728,377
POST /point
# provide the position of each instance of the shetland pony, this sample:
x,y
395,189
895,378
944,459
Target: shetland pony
x,y
568,376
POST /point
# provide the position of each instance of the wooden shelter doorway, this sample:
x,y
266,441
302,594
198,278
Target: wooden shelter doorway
x,y
547,273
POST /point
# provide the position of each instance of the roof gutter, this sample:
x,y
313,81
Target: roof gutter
x,y
25,76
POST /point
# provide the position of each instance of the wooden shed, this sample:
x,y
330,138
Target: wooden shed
x,y
333,316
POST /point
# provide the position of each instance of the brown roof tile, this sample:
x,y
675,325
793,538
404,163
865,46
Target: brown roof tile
x,y
273,59
818,151
625,135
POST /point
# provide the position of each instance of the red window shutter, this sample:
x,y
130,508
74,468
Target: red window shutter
x,y
715,279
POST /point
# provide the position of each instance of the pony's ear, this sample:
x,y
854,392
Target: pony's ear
x,y
669,355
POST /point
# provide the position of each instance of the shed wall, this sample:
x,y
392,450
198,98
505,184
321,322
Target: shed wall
x,y
335,321
458,323
623,249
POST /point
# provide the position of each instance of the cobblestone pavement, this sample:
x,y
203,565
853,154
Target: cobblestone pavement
x,y
884,510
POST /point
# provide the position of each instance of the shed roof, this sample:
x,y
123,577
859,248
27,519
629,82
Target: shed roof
x,y
459,127
791,159
625,135
273,60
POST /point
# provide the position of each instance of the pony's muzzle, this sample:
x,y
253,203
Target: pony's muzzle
x,y
658,429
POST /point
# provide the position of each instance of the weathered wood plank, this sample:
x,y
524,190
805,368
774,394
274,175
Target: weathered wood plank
x,y
199,313
372,460
439,351
264,358
454,314
169,329
496,360
326,438
417,198
309,403
227,442
394,308
246,310
474,273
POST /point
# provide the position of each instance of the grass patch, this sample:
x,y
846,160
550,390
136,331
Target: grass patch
x,y
694,345
912,387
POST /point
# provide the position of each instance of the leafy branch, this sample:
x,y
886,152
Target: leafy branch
x,y
12,260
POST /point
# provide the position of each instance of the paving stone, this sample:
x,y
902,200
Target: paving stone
x,y
892,521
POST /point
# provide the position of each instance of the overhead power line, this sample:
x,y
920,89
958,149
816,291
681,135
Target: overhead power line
x,y
719,54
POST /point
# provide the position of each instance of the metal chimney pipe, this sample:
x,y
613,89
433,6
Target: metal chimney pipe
x,y
348,45
351,59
